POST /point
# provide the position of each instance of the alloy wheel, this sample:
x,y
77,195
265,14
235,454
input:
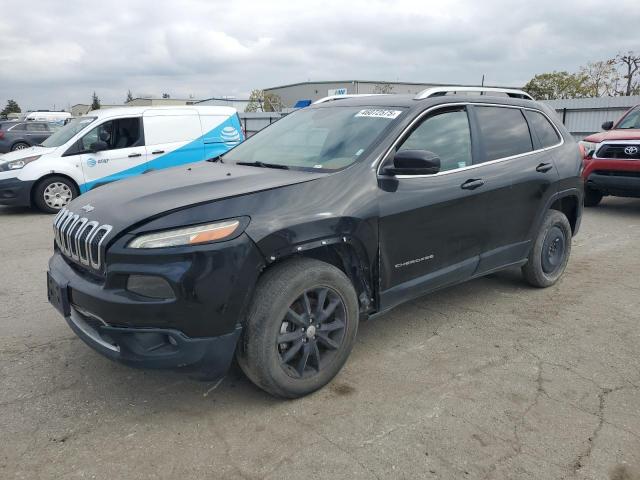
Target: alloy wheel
x,y
311,332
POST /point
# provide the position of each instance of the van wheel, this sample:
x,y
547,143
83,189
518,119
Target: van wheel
x,y
550,252
591,197
19,146
300,329
53,193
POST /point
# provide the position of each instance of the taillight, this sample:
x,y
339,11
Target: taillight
x,y
1,134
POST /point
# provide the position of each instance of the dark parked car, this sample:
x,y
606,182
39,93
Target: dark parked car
x,y
18,135
336,213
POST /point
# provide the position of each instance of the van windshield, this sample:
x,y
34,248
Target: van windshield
x,y
326,138
67,132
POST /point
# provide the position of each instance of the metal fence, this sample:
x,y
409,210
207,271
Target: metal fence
x,y
256,121
584,116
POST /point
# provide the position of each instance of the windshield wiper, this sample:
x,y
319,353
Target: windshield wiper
x,y
263,165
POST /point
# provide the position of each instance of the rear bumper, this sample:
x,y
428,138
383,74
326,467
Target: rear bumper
x,y
156,347
15,192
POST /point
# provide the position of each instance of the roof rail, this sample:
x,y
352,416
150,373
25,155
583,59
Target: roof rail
x,y
439,91
331,98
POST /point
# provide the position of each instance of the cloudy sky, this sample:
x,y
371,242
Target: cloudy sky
x,y
59,52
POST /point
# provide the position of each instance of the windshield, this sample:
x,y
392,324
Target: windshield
x,y
67,132
632,120
327,138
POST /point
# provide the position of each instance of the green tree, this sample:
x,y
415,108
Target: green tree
x,y
601,78
259,101
129,96
554,85
12,107
384,87
630,64
95,102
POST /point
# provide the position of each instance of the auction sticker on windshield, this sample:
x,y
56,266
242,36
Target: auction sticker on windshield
x,y
378,113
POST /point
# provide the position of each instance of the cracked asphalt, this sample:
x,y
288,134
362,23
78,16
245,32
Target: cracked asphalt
x,y
487,380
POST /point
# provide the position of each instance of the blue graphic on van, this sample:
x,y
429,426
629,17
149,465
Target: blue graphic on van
x,y
230,136
91,162
213,143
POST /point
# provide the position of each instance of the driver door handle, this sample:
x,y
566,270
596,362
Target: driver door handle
x,y
544,167
472,184
157,152
132,155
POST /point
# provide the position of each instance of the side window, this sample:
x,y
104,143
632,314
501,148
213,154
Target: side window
x,y
504,132
120,133
543,129
446,134
36,127
21,127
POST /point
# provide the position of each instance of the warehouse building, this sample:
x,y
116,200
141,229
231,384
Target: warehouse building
x,y
307,92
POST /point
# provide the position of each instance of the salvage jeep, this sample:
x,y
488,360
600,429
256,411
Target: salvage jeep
x,y
274,251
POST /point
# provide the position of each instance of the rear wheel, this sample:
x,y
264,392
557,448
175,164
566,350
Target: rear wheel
x,y
300,329
19,146
591,197
53,193
550,252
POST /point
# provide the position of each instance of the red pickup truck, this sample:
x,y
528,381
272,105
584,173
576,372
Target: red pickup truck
x,y
612,160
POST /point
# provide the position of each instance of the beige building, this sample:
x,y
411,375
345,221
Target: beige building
x,y
80,109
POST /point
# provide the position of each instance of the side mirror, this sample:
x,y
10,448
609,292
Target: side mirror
x,y
607,125
414,162
98,146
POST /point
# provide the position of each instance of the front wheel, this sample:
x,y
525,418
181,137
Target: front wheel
x,y
53,193
300,328
550,252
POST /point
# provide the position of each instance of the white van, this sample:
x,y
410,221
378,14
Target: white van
x,y
108,145
43,116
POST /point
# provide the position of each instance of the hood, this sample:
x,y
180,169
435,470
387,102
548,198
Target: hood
x,y
24,153
622,134
129,202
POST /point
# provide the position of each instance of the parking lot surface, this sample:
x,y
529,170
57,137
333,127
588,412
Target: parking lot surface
x,y
489,379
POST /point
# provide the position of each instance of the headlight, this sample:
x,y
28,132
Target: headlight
x,y
17,164
589,147
194,235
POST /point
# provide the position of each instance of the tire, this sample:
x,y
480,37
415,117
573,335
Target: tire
x,y
275,341
19,146
53,193
550,252
591,197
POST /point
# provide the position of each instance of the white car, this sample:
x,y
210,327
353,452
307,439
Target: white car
x,y
45,116
112,144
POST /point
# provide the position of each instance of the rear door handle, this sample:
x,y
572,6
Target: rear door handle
x,y
157,152
132,155
544,167
472,184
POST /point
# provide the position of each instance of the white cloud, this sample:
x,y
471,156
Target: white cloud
x,y
206,48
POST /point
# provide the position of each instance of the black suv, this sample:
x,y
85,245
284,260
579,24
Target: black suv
x,y
336,213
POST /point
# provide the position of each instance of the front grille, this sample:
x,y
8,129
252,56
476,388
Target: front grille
x,y
80,239
624,151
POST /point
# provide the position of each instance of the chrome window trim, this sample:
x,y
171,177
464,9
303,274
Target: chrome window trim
x,y
380,161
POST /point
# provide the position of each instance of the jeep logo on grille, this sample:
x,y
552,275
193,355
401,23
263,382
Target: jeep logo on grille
x,y
631,150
